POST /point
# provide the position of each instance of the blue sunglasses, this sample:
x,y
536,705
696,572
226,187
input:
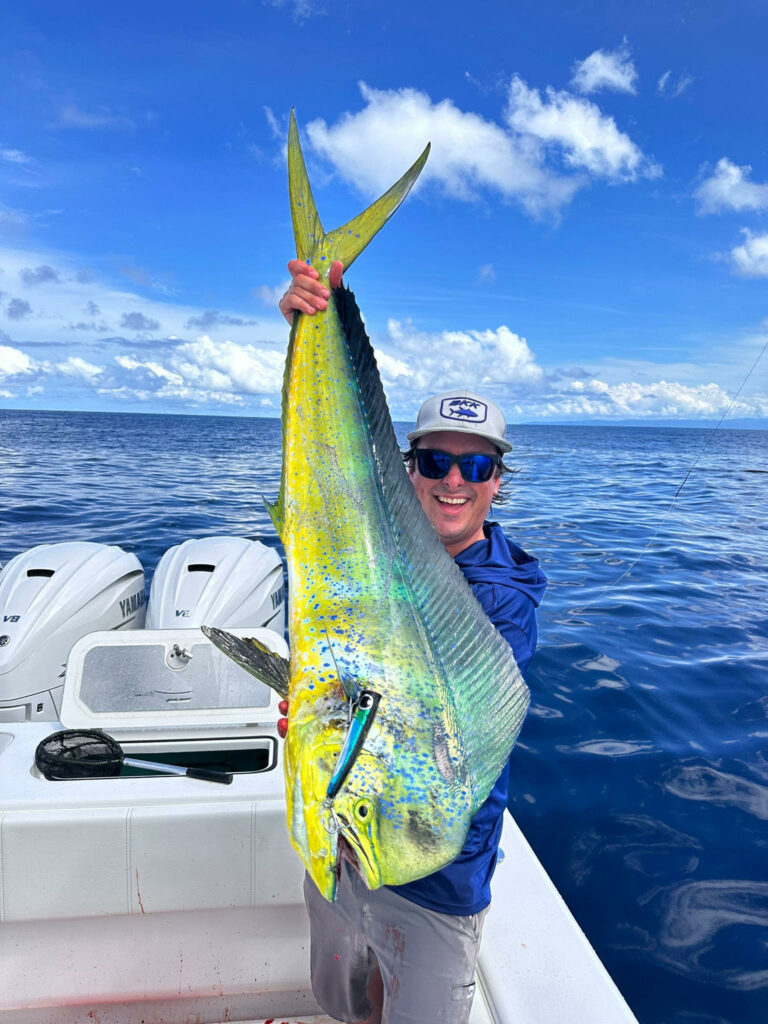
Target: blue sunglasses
x,y
475,467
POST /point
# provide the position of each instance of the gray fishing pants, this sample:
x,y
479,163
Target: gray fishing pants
x,y
427,960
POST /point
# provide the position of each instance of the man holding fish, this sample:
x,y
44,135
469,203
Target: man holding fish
x,y
407,953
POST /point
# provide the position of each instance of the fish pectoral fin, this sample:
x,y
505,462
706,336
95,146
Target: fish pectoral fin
x,y
347,242
275,510
254,656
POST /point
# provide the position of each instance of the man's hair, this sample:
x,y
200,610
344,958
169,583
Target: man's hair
x,y
503,470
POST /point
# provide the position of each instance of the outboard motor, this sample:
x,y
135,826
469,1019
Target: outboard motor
x,y
230,582
50,597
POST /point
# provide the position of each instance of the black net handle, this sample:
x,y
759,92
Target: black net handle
x,y
91,754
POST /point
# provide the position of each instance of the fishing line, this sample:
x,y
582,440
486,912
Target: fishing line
x,y
708,441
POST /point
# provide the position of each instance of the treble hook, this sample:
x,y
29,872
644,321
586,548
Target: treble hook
x,y
332,824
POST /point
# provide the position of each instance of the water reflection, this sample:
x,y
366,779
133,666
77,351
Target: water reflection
x,y
704,783
644,844
696,935
608,748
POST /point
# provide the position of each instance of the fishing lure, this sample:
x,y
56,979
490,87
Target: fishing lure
x,y
363,711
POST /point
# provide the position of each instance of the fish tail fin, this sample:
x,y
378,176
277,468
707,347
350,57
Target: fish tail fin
x,y
254,656
307,227
347,242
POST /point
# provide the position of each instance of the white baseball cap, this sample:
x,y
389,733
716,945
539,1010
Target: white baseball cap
x,y
463,412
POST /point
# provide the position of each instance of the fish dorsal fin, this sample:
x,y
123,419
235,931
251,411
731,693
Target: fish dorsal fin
x,y
347,242
484,688
254,656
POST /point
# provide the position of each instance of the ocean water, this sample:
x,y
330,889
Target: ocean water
x,y
641,776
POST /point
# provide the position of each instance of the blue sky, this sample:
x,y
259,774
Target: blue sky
x,y
589,240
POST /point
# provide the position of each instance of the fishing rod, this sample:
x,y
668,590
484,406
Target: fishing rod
x,y
708,441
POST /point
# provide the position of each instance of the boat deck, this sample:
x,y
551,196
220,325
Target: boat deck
x,y
168,900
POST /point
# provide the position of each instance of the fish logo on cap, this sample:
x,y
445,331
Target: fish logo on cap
x,y
467,409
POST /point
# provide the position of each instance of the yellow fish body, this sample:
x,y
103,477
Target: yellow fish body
x,y
377,607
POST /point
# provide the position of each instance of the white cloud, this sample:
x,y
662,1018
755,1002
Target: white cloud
x,y
729,189
201,371
270,296
683,82
224,365
432,362
14,156
64,291
371,148
75,366
278,130
601,70
11,220
414,364
240,364
660,398
14,362
72,116
751,258
589,138
238,361
300,9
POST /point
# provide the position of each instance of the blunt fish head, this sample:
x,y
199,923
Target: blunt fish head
x,y
410,835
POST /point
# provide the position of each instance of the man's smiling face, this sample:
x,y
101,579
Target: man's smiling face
x,y
456,508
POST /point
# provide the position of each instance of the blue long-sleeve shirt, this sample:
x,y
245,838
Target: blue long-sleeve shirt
x,y
509,584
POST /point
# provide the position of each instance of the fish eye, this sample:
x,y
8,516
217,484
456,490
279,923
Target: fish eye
x,y
362,811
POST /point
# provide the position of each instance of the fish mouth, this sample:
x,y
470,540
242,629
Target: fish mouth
x,y
350,848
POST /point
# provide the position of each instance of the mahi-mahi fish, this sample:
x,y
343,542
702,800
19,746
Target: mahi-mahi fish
x,y
405,701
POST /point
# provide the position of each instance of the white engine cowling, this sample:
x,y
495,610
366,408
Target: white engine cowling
x,y
50,597
230,582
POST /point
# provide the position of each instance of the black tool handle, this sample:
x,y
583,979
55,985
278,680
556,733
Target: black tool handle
x,y
210,775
